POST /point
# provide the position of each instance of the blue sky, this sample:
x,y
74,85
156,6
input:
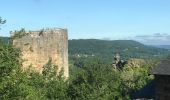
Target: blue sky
x,y
147,21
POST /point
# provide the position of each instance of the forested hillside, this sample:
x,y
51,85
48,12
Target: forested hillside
x,y
106,49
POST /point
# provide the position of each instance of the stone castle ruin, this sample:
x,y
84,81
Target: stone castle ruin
x,y
38,46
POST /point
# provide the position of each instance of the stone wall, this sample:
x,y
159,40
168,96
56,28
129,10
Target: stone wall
x,y
162,88
38,46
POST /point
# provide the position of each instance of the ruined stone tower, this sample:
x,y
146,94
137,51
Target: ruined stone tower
x,y
38,46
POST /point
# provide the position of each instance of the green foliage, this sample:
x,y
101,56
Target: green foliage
x,y
56,90
132,79
2,21
49,70
13,84
96,80
17,87
91,82
9,60
55,85
19,34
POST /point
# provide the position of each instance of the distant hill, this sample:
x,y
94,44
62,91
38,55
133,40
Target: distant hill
x,y
162,46
4,39
106,49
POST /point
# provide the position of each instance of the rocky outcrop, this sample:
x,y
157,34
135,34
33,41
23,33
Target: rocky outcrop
x,y
118,63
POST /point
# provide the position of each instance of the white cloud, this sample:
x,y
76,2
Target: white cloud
x,y
155,39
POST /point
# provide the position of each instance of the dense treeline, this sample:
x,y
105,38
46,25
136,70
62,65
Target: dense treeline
x,y
94,80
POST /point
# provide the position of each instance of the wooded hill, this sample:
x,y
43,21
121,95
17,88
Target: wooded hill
x,y
106,49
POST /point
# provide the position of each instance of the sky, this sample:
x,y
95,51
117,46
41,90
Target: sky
x,y
147,21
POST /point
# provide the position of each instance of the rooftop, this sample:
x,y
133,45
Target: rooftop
x,y
163,68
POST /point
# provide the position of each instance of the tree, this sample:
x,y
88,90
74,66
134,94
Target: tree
x,y
55,85
95,81
9,59
133,79
14,83
2,21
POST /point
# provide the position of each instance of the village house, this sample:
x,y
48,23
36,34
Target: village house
x,y
162,80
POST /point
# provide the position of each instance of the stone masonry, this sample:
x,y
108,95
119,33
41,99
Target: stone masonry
x,y
38,46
